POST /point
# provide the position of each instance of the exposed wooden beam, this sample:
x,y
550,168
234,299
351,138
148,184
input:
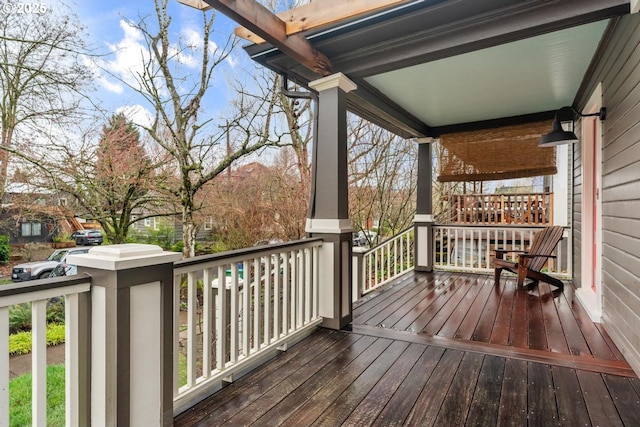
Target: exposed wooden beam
x,y
319,13
267,25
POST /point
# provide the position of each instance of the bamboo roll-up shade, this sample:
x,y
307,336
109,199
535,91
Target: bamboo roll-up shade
x,y
501,153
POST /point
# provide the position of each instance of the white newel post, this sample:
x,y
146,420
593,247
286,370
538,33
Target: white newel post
x,y
359,272
131,334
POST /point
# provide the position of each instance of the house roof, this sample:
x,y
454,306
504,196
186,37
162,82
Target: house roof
x,y
427,67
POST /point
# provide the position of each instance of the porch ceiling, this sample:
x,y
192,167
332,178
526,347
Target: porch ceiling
x,y
428,67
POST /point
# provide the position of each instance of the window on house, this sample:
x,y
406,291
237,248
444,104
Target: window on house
x,y
31,229
208,223
147,222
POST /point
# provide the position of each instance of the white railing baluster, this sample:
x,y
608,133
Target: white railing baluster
x,y
72,360
307,285
192,319
267,301
286,294
294,290
277,289
300,288
234,315
257,296
316,281
39,362
220,306
177,281
246,307
207,312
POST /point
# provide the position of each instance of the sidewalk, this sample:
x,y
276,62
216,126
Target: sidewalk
x,y
21,364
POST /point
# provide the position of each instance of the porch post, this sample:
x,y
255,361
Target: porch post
x,y
424,221
131,334
329,209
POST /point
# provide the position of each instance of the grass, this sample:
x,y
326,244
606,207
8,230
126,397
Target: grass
x,y
20,395
20,398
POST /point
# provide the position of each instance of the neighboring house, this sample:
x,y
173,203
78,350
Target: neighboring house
x,y
31,214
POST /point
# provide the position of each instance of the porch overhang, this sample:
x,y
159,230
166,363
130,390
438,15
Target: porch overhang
x,y
429,67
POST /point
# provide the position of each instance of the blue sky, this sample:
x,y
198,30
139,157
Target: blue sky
x,y
122,47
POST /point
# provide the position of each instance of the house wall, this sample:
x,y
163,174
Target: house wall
x,y
618,68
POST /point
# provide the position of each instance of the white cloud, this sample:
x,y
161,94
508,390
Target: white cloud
x,y
130,55
137,114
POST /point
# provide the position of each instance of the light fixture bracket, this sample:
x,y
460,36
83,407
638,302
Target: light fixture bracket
x,y
558,135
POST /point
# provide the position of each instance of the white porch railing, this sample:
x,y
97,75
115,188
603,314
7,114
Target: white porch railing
x,y
385,262
231,309
464,248
37,294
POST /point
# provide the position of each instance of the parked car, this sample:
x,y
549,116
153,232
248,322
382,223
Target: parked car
x,y
87,237
41,269
364,238
64,269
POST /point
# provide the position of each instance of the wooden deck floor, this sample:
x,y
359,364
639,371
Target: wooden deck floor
x,y
443,349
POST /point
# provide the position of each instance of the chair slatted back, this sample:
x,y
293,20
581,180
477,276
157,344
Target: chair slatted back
x,y
544,243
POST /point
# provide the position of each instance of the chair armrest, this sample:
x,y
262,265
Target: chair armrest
x,y
536,255
505,251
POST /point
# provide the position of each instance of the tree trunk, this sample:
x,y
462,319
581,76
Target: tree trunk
x,y
189,233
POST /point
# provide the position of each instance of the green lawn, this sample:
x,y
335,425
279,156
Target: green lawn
x,y
20,395
20,398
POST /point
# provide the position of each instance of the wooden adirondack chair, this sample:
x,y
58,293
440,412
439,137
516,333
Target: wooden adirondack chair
x,y
531,262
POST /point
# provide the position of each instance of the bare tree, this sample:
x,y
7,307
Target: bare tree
x,y
177,95
112,181
383,170
41,74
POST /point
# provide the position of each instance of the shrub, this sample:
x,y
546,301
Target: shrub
x,y
20,343
20,315
5,249
63,237
19,318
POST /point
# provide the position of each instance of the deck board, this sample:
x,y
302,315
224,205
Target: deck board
x,y
485,355
512,409
399,406
486,399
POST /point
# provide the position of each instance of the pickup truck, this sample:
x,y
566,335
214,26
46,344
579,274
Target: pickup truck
x,y
41,269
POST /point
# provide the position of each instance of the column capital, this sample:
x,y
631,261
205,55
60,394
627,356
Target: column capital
x,y
125,256
338,80
333,226
426,140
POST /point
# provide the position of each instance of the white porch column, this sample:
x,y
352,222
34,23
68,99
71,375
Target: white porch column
x,y
329,208
424,221
131,334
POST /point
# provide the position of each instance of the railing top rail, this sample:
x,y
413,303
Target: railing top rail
x,y
43,285
385,241
502,194
239,254
497,225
